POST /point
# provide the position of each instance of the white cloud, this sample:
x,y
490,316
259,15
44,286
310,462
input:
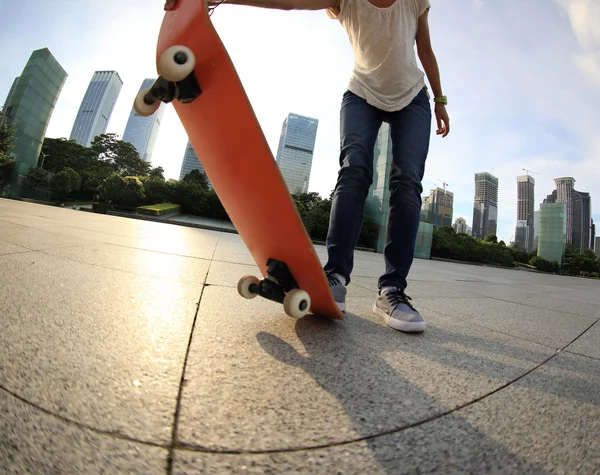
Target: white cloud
x,y
584,16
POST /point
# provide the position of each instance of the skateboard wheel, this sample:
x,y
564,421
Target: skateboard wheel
x,y
142,105
244,284
176,63
296,303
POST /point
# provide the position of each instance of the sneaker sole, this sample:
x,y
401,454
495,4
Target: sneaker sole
x,y
341,306
408,327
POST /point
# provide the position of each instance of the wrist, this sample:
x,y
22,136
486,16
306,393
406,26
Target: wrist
x,y
440,100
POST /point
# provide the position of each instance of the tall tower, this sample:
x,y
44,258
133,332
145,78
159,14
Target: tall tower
x,y
437,208
7,101
140,131
485,206
564,194
295,151
96,107
29,108
525,212
191,162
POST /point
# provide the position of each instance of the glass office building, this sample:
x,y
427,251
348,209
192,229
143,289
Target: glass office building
x,y
553,231
295,151
29,109
378,199
191,162
96,107
140,131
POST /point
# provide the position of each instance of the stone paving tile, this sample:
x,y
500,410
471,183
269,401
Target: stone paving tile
x,y
101,347
33,441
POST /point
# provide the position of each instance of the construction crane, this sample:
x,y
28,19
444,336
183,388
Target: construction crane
x,y
529,171
444,184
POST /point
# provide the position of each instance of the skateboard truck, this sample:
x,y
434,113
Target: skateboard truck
x,y
176,81
279,286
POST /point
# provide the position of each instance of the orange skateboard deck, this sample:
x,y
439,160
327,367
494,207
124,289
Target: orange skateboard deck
x,y
197,75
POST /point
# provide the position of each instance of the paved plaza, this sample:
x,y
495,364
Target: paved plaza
x,y
125,348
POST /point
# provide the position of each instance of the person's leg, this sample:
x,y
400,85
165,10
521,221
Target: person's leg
x,y
410,132
359,126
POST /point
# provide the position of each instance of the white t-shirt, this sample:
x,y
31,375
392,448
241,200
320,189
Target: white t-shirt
x,y
385,71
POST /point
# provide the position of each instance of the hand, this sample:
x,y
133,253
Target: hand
x,y
443,121
170,4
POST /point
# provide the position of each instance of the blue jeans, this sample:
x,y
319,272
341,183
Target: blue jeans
x,y
410,132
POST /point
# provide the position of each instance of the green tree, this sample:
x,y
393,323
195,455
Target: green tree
x,y
126,191
61,153
491,238
121,156
36,178
64,182
157,173
7,143
196,176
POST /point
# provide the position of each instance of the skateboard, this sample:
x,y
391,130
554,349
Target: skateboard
x,y
198,77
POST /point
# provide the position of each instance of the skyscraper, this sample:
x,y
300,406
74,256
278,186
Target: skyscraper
x,y
437,208
578,212
30,107
525,212
96,107
553,231
485,206
7,101
460,226
190,162
141,131
295,151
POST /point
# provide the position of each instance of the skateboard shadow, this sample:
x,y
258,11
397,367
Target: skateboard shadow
x,y
354,361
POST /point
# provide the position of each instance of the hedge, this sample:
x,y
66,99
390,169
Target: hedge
x,y
159,209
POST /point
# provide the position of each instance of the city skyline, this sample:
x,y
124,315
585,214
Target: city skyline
x,y
553,40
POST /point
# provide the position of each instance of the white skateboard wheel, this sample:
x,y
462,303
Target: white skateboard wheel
x,y
244,284
296,303
141,106
176,63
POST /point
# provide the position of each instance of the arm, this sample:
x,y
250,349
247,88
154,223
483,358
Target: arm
x,y
430,65
275,4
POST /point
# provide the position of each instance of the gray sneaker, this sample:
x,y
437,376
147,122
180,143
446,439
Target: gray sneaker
x,y
393,306
339,291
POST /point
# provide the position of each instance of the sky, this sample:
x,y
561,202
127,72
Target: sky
x,y
522,79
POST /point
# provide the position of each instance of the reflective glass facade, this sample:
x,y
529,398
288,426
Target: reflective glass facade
x,y
8,97
30,107
553,231
140,131
378,199
96,107
191,162
295,151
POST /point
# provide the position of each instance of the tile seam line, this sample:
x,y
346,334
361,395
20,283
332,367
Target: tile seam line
x,y
176,416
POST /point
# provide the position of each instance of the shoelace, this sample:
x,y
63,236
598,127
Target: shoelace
x,y
397,297
333,280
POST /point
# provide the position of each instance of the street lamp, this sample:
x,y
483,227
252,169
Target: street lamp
x,y
44,155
